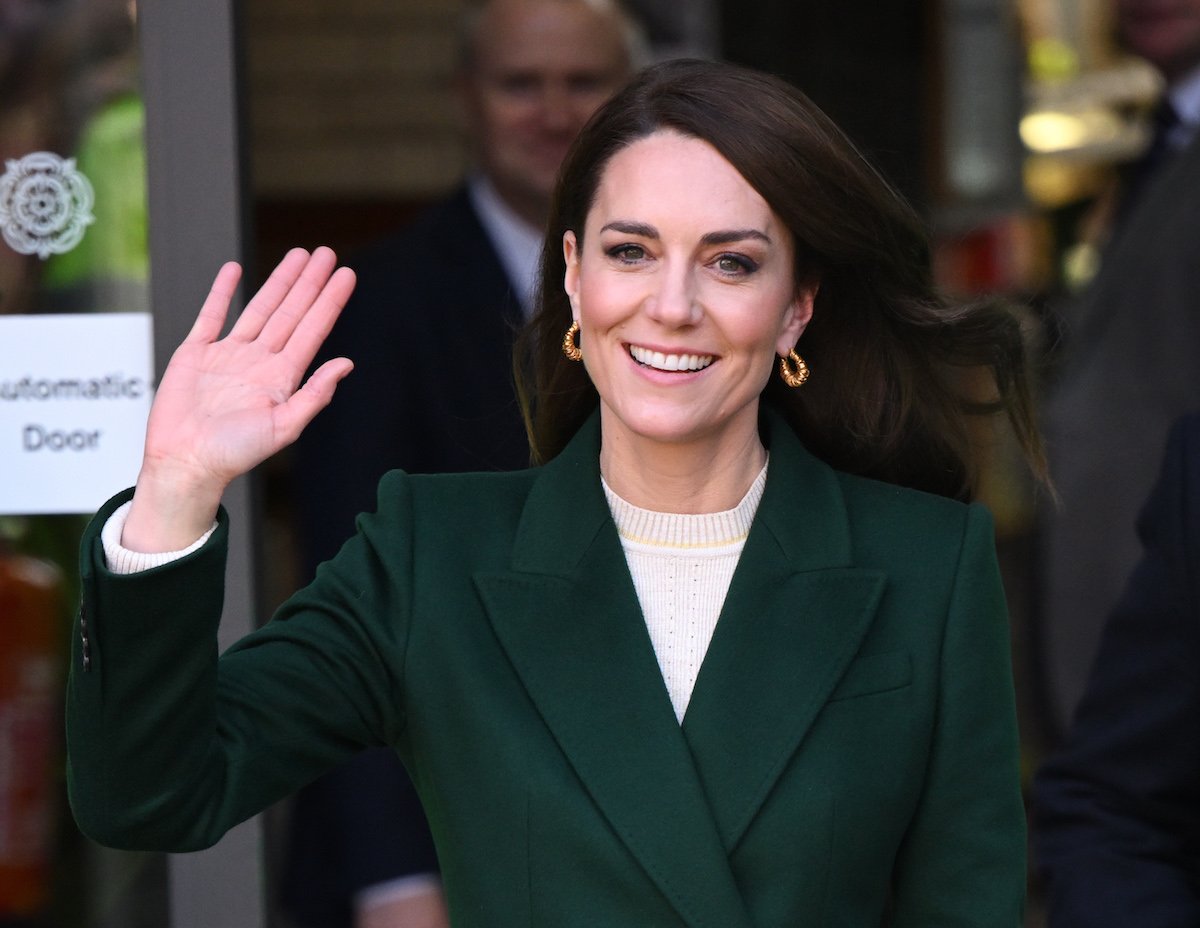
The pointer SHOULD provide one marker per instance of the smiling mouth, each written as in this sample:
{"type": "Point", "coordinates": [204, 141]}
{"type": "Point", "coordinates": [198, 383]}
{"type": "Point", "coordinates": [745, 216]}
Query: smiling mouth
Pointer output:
{"type": "Point", "coordinates": [670, 362]}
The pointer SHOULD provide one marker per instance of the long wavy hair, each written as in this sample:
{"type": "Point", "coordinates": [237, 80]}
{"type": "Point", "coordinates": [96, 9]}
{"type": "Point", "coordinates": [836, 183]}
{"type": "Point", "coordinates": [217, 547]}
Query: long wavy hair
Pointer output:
{"type": "Point", "coordinates": [898, 372]}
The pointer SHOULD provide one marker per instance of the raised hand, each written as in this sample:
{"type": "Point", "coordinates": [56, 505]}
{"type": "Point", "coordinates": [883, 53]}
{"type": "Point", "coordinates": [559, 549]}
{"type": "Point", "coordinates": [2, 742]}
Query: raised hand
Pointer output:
{"type": "Point", "coordinates": [225, 405]}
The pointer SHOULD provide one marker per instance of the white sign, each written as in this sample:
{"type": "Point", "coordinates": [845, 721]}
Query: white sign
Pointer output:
{"type": "Point", "coordinates": [75, 393]}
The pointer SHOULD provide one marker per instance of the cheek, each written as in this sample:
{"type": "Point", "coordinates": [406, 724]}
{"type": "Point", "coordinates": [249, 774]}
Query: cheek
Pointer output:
{"type": "Point", "coordinates": [756, 328]}
{"type": "Point", "coordinates": [605, 299]}
{"type": "Point", "coordinates": [587, 103]}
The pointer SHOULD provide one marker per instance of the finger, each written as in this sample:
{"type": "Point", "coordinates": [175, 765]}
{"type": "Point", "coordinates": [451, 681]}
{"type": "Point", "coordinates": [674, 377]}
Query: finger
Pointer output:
{"type": "Point", "coordinates": [264, 303]}
{"type": "Point", "coordinates": [312, 330]}
{"type": "Point", "coordinates": [211, 318]}
{"type": "Point", "coordinates": [292, 416]}
{"type": "Point", "coordinates": [300, 299]}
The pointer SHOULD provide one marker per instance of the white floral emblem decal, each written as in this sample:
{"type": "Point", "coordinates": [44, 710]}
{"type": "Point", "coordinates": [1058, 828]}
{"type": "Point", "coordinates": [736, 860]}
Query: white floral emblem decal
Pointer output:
{"type": "Point", "coordinates": [45, 204]}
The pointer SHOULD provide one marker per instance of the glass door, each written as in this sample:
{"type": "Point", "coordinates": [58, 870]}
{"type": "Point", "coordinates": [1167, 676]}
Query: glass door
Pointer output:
{"type": "Point", "coordinates": [120, 195]}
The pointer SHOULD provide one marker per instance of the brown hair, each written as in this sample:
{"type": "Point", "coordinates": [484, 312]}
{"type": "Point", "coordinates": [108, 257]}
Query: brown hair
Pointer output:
{"type": "Point", "coordinates": [895, 368]}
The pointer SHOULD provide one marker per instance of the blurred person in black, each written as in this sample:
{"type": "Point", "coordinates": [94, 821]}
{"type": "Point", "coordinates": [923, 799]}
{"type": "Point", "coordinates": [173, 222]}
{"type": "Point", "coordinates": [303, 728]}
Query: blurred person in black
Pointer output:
{"type": "Point", "coordinates": [1116, 813]}
{"type": "Point", "coordinates": [431, 326]}
{"type": "Point", "coordinates": [1128, 364]}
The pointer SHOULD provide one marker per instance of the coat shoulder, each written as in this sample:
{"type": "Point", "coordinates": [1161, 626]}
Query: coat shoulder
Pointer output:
{"type": "Point", "coordinates": [890, 518]}
{"type": "Point", "coordinates": [877, 499]}
{"type": "Point", "coordinates": [477, 500]}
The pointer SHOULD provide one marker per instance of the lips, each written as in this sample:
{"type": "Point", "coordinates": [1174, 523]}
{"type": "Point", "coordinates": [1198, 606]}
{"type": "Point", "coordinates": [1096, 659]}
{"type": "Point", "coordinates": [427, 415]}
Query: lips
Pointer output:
{"type": "Point", "coordinates": [670, 362]}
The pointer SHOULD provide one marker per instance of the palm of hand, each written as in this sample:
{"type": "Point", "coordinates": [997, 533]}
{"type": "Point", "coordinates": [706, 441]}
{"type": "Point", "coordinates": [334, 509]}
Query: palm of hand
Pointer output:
{"type": "Point", "coordinates": [217, 407]}
{"type": "Point", "coordinates": [226, 404]}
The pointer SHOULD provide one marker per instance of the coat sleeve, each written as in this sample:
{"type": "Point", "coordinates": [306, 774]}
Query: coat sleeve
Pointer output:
{"type": "Point", "coordinates": [962, 862]}
{"type": "Point", "coordinates": [169, 746]}
{"type": "Point", "coordinates": [1117, 809]}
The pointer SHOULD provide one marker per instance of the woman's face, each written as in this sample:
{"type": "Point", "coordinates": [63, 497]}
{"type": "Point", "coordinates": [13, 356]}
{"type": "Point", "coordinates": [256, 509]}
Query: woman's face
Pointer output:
{"type": "Point", "coordinates": [683, 286]}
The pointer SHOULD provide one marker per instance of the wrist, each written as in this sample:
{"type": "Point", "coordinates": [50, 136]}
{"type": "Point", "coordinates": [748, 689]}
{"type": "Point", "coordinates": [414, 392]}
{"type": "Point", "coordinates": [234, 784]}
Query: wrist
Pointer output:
{"type": "Point", "coordinates": [172, 507]}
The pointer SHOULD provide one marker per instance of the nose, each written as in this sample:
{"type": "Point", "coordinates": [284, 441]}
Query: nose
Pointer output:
{"type": "Point", "coordinates": [674, 302]}
{"type": "Point", "coordinates": [558, 110]}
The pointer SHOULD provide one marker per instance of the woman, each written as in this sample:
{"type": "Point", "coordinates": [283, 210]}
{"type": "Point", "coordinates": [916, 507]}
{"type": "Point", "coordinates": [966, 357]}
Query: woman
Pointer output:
{"type": "Point", "coordinates": [592, 745]}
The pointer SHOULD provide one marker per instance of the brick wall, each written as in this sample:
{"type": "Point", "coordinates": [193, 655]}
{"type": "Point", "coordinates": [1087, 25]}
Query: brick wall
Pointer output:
{"type": "Point", "coordinates": [350, 99]}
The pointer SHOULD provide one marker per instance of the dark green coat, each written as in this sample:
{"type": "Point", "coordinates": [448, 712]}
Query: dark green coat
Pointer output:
{"type": "Point", "coordinates": [851, 738]}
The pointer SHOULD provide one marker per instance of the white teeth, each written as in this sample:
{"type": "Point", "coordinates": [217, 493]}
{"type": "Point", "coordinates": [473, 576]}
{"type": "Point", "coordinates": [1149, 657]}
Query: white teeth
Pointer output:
{"type": "Point", "coordinates": [670, 362]}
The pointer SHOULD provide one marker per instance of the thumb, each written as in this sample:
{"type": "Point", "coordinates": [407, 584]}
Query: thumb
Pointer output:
{"type": "Point", "coordinates": [293, 416]}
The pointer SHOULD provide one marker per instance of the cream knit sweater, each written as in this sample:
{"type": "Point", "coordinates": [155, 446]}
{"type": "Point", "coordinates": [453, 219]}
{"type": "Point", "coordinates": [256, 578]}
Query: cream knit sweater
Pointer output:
{"type": "Point", "coordinates": [682, 566]}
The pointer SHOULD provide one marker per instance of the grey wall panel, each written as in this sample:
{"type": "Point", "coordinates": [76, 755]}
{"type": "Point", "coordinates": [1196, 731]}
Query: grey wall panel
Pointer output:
{"type": "Point", "coordinates": [194, 168]}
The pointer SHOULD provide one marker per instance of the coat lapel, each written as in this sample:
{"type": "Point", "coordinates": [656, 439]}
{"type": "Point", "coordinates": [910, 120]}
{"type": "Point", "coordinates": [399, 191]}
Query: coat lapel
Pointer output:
{"type": "Point", "coordinates": [795, 616]}
{"type": "Point", "coordinates": [568, 618]}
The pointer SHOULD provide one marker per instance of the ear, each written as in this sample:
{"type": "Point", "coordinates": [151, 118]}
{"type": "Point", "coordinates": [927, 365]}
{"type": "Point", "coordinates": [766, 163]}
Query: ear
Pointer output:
{"type": "Point", "coordinates": [795, 319]}
{"type": "Point", "coordinates": [571, 278]}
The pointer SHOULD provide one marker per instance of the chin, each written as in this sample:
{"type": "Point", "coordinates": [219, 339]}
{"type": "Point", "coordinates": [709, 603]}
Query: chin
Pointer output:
{"type": "Point", "coordinates": [679, 429]}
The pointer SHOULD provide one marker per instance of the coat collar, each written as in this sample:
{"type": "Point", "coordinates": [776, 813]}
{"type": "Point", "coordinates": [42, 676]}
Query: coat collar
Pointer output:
{"type": "Point", "coordinates": [567, 616]}
{"type": "Point", "coordinates": [566, 507]}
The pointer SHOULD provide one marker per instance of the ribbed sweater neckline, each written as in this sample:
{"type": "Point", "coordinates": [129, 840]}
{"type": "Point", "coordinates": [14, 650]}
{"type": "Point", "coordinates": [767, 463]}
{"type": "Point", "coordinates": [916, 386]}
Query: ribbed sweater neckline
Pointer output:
{"type": "Point", "coordinates": [686, 531]}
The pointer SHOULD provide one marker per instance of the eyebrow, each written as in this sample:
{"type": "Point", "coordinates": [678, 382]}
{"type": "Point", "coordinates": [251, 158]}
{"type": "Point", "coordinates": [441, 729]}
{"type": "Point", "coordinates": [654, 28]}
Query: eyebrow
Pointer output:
{"type": "Point", "coordinates": [734, 235]}
{"type": "Point", "coordinates": [723, 237]}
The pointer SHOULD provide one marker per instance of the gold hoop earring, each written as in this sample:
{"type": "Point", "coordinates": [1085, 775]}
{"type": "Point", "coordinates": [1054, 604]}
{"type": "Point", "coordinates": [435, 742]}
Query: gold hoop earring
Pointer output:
{"type": "Point", "coordinates": [570, 349]}
{"type": "Point", "coordinates": [795, 374]}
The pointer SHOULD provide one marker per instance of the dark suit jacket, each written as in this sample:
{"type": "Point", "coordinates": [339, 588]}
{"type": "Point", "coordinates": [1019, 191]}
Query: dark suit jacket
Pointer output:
{"type": "Point", "coordinates": [1117, 811]}
{"type": "Point", "coordinates": [1129, 369]}
{"type": "Point", "coordinates": [430, 328]}
{"type": "Point", "coordinates": [851, 738]}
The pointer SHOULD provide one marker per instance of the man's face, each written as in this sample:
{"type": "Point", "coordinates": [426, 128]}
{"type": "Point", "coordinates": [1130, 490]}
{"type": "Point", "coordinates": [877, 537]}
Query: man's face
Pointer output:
{"type": "Point", "coordinates": [1165, 32]}
{"type": "Point", "coordinates": [541, 68]}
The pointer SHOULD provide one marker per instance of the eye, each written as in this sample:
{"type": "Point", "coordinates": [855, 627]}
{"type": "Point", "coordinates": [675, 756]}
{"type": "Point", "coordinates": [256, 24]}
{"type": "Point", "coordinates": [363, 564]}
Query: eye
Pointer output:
{"type": "Point", "coordinates": [517, 84]}
{"type": "Point", "coordinates": [733, 265]}
{"type": "Point", "coordinates": [627, 253]}
{"type": "Point", "coordinates": [587, 84]}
